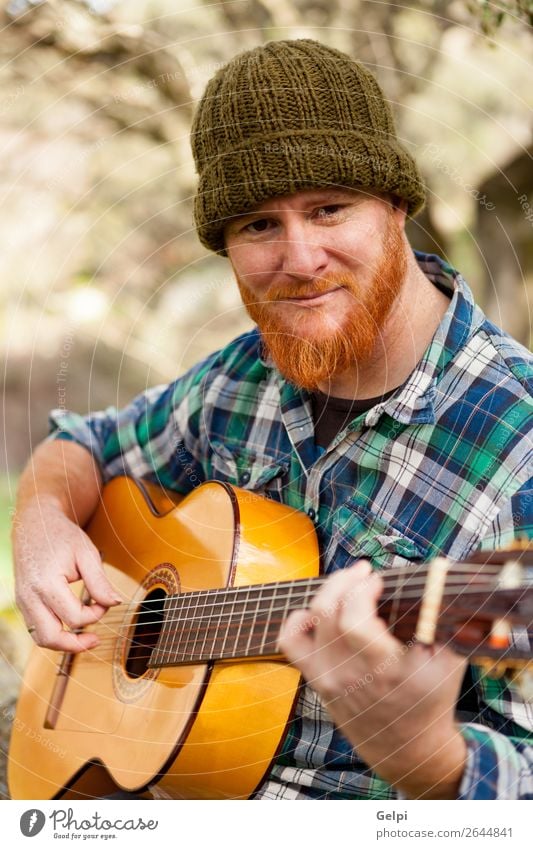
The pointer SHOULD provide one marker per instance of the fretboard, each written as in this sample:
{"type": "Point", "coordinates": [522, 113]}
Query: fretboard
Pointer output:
{"type": "Point", "coordinates": [233, 622]}
{"type": "Point", "coordinates": [240, 622]}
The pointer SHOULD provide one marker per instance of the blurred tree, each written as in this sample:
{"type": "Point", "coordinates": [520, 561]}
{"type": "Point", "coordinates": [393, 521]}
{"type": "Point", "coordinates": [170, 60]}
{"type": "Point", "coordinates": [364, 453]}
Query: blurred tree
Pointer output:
{"type": "Point", "coordinates": [491, 15]}
{"type": "Point", "coordinates": [97, 176]}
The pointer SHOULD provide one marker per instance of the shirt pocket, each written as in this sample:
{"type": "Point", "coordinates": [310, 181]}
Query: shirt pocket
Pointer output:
{"type": "Point", "coordinates": [241, 466]}
{"type": "Point", "coordinates": [359, 533]}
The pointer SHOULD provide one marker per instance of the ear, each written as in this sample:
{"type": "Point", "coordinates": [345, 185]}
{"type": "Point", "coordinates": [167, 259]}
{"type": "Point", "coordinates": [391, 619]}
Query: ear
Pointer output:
{"type": "Point", "coordinates": [399, 209]}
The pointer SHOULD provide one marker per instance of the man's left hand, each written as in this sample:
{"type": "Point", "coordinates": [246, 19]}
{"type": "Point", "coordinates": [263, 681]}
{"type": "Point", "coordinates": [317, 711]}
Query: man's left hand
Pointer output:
{"type": "Point", "coordinates": [395, 703]}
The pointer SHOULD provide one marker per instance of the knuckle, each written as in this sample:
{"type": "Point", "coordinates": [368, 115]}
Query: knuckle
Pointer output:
{"type": "Point", "coordinates": [49, 641]}
{"type": "Point", "coordinates": [90, 613]}
{"type": "Point", "coordinates": [41, 640]}
{"type": "Point", "coordinates": [70, 619]}
{"type": "Point", "coordinates": [47, 590]}
{"type": "Point", "coordinates": [37, 588]}
{"type": "Point", "coordinates": [94, 551]}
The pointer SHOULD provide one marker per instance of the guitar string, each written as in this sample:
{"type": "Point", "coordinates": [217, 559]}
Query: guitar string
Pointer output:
{"type": "Point", "coordinates": [255, 646]}
{"type": "Point", "coordinates": [195, 625]}
{"type": "Point", "coordinates": [102, 650]}
{"type": "Point", "coordinates": [177, 626]}
{"type": "Point", "coordinates": [387, 578]}
{"type": "Point", "coordinates": [118, 613]}
{"type": "Point", "coordinates": [391, 577]}
{"type": "Point", "coordinates": [483, 571]}
{"type": "Point", "coordinates": [100, 628]}
{"type": "Point", "coordinates": [251, 620]}
{"type": "Point", "coordinates": [310, 583]}
{"type": "Point", "coordinates": [267, 646]}
{"type": "Point", "coordinates": [251, 623]}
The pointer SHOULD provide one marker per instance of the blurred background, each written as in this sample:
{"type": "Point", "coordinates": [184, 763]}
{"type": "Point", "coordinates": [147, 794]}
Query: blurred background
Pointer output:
{"type": "Point", "coordinates": [104, 287]}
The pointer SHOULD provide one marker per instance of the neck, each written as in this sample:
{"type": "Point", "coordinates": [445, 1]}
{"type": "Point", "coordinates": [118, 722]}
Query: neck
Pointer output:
{"type": "Point", "coordinates": [408, 331]}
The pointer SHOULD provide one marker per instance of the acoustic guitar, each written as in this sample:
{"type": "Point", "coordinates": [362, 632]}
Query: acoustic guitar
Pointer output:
{"type": "Point", "coordinates": [186, 695]}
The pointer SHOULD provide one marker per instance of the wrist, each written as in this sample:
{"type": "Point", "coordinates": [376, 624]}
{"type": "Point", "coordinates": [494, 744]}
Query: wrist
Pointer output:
{"type": "Point", "coordinates": [436, 773]}
{"type": "Point", "coordinates": [37, 507]}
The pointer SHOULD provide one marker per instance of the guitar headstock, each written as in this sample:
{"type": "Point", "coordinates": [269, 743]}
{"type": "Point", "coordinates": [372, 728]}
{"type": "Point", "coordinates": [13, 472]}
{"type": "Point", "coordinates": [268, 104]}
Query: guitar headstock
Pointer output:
{"type": "Point", "coordinates": [493, 616]}
{"type": "Point", "coordinates": [482, 608]}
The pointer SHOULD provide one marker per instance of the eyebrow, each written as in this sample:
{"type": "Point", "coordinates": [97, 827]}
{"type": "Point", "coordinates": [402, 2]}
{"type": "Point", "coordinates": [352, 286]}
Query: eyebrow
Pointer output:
{"type": "Point", "coordinates": [323, 195]}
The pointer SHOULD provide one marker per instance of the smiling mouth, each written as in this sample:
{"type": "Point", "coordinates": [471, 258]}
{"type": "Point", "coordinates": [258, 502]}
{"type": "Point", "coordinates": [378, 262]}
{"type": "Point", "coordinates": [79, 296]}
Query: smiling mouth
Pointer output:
{"type": "Point", "coordinates": [309, 299]}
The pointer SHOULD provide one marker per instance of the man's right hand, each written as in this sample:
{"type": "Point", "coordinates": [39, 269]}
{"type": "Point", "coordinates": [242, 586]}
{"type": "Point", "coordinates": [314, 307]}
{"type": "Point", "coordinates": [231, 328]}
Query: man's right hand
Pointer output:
{"type": "Point", "coordinates": [50, 552]}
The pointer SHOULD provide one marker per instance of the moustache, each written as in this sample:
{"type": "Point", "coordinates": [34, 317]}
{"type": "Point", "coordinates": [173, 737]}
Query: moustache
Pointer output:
{"type": "Point", "coordinates": [307, 290]}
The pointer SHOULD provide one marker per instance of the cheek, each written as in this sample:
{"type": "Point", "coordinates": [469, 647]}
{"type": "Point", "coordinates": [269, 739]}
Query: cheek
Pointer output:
{"type": "Point", "coordinates": [361, 246]}
{"type": "Point", "coordinates": [250, 262]}
{"type": "Point", "coordinates": [359, 240]}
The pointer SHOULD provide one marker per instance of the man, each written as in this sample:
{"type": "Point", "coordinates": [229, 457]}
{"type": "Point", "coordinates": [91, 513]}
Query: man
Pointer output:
{"type": "Point", "coordinates": [374, 395]}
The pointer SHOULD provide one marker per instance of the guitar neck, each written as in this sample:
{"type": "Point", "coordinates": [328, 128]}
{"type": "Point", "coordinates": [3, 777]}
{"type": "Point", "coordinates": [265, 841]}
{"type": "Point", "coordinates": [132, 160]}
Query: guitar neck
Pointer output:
{"type": "Point", "coordinates": [241, 622]}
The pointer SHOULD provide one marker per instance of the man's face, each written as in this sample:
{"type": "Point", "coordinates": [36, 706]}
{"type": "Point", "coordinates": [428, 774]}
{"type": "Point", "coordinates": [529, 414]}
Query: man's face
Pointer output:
{"type": "Point", "coordinates": [318, 272]}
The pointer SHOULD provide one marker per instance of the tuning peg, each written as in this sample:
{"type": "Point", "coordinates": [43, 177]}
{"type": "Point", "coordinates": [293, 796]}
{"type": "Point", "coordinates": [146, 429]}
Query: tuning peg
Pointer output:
{"type": "Point", "coordinates": [500, 634]}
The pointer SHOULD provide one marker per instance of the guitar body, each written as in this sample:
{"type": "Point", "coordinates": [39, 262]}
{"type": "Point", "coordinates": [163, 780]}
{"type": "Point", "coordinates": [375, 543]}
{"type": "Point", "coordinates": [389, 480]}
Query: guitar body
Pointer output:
{"type": "Point", "coordinates": [198, 730]}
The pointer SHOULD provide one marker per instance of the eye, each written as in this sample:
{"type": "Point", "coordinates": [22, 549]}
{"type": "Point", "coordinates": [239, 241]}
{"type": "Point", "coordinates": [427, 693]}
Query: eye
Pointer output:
{"type": "Point", "coordinates": [331, 210]}
{"type": "Point", "coordinates": [260, 225]}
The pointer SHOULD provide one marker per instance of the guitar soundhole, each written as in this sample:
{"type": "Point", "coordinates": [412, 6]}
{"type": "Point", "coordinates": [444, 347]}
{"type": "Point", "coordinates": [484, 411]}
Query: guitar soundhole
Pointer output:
{"type": "Point", "coordinates": [146, 630]}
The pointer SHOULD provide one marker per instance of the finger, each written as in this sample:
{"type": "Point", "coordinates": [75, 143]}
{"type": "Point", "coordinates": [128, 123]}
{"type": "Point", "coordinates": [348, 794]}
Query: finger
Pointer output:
{"type": "Point", "coordinates": [98, 585]}
{"type": "Point", "coordinates": [48, 631]}
{"type": "Point", "coordinates": [358, 620]}
{"type": "Point", "coordinates": [295, 635]}
{"type": "Point", "coordinates": [334, 593]}
{"type": "Point", "coordinates": [295, 639]}
{"type": "Point", "coordinates": [299, 642]}
{"type": "Point", "coordinates": [66, 606]}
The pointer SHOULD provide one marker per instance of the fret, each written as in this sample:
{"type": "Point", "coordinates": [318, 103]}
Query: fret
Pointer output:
{"type": "Point", "coordinates": [398, 589]}
{"type": "Point", "coordinates": [185, 626]}
{"type": "Point", "coordinates": [195, 633]}
{"type": "Point", "coordinates": [247, 650]}
{"type": "Point", "coordinates": [162, 650]}
{"type": "Point", "coordinates": [210, 621]}
{"type": "Point", "coordinates": [268, 619]}
{"type": "Point", "coordinates": [240, 626]}
{"type": "Point", "coordinates": [270, 639]}
{"type": "Point", "coordinates": [203, 651]}
{"type": "Point", "coordinates": [227, 626]}
{"type": "Point", "coordinates": [274, 623]}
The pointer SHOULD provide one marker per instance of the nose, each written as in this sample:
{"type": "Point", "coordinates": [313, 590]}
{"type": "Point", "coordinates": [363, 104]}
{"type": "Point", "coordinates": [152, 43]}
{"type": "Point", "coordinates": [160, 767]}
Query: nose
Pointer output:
{"type": "Point", "coordinates": [300, 254]}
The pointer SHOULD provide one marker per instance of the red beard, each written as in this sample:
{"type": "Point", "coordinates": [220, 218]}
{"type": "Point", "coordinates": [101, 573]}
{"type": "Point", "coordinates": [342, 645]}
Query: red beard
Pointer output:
{"type": "Point", "coordinates": [308, 361]}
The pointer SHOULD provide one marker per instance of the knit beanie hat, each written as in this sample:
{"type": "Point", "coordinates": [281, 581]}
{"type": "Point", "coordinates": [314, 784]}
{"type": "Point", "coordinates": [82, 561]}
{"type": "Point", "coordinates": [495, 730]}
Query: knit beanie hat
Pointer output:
{"type": "Point", "coordinates": [288, 116]}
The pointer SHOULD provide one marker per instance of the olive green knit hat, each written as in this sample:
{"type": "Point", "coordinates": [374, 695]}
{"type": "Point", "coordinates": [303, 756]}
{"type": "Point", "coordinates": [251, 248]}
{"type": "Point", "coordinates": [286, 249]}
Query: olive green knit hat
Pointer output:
{"type": "Point", "coordinates": [287, 116]}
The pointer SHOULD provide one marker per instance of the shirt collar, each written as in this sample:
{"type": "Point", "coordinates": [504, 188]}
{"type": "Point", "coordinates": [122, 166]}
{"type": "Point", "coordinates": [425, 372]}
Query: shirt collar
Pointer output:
{"type": "Point", "coordinates": [413, 403]}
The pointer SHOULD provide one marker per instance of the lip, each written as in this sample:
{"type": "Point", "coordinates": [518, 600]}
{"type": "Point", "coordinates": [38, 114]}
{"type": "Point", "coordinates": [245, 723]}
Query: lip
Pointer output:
{"type": "Point", "coordinates": [312, 299]}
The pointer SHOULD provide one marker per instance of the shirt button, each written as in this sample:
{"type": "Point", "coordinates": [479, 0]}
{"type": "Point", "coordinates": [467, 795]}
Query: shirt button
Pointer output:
{"type": "Point", "coordinates": [312, 514]}
{"type": "Point", "coordinates": [245, 478]}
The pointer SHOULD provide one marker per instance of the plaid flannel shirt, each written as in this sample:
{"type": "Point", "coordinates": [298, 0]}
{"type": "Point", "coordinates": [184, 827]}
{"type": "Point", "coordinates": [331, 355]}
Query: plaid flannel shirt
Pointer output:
{"type": "Point", "coordinates": [443, 466]}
